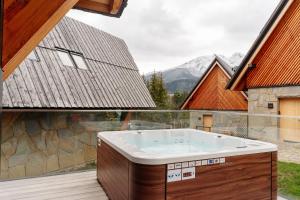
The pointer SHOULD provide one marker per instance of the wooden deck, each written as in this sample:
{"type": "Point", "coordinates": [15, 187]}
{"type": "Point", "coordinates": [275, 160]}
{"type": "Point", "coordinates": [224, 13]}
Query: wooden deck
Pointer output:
{"type": "Point", "coordinates": [76, 186]}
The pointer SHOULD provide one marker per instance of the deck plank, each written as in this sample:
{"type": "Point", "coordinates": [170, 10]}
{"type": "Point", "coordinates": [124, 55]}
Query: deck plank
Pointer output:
{"type": "Point", "coordinates": [76, 186]}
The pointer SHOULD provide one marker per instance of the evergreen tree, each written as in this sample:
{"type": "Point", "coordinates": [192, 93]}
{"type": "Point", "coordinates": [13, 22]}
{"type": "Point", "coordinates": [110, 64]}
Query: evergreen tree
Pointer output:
{"type": "Point", "coordinates": [179, 98]}
{"type": "Point", "coordinates": [158, 91]}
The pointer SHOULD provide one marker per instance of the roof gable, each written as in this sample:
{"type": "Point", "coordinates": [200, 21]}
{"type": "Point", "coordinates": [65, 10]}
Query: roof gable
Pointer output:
{"type": "Point", "coordinates": [210, 93]}
{"type": "Point", "coordinates": [111, 81]}
{"type": "Point", "coordinates": [264, 41]}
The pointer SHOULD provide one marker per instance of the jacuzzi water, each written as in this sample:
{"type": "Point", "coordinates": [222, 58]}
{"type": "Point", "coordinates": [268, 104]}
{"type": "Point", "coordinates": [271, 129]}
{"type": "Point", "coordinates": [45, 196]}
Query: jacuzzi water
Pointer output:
{"type": "Point", "coordinates": [171, 142]}
{"type": "Point", "coordinates": [176, 145]}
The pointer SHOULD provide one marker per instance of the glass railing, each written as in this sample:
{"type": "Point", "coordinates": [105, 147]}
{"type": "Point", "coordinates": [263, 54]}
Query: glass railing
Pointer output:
{"type": "Point", "coordinates": [45, 143]}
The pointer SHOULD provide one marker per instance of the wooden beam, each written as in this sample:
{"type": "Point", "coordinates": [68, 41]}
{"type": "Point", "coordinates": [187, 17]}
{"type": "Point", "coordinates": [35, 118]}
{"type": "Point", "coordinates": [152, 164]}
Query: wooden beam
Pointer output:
{"type": "Point", "coordinates": [126, 121]}
{"type": "Point", "coordinates": [115, 6]}
{"type": "Point", "coordinates": [109, 7]}
{"type": "Point", "coordinates": [26, 23]}
{"type": "Point", "coordinates": [96, 6]}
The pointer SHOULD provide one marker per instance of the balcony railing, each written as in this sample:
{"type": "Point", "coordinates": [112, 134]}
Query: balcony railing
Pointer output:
{"type": "Point", "coordinates": [40, 143]}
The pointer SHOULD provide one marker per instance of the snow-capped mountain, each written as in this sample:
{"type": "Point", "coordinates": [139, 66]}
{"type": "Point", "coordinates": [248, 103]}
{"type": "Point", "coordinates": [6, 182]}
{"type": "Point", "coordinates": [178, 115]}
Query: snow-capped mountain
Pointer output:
{"type": "Point", "coordinates": [185, 76]}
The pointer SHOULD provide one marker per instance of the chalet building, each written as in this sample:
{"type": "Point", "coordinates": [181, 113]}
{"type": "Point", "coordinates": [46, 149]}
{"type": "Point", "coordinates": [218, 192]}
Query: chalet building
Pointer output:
{"type": "Point", "coordinates": [25, 23]}
{"type": "Point", "coordinates": [270, 72]}
{"type": "Point", "coordinates": [75, 68]}
{"type": "Point", "coordinates": [210, 94]}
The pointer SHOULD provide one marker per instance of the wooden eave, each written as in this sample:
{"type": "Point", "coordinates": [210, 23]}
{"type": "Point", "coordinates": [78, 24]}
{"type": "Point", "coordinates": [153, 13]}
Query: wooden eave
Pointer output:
{"type": "Point", "coordinates": [112, 8]}
{"type": "Point", "coordinates": [26, 22]}
{"type": "Point", "coordinates": [237, 83]}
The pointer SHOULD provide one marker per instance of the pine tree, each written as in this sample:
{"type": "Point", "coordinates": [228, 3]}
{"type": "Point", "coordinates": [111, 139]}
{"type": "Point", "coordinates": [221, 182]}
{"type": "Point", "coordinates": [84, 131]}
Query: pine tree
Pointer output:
{"type": "Point", "coordinates": [158, 91]}
{"type": "Point", "coordinates": [179, 98]}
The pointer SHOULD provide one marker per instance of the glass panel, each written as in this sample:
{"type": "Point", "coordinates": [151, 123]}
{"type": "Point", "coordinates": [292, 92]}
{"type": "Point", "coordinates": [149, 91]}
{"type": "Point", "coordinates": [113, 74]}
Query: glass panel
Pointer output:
{"type": "Point", "coordinates": [46, 143]}
{"type": "Point", "coordinates": [65, 58]}
{"type": "Point", "coordinates": [79, 60]}
{"type": "Point", "coordinates": [33, 56]}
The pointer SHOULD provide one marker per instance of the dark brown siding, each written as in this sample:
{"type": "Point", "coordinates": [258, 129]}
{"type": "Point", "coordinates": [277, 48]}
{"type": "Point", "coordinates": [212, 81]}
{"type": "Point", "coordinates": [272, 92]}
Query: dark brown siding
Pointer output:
{"type": "Point", "coordinates": [278, 62]}
{"type": "Point", "coordinates": [246, 177]}
{"type": "Point", "coordinates": [212, 94]}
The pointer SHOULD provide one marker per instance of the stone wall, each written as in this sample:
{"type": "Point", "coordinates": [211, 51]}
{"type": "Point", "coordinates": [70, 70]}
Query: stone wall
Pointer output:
{"type": "Point", "coordinates": [264, 127]}
{"type": "Point", "coordinates": [231, 123]}
{"type": "Point", "coordinates": [35, 144]}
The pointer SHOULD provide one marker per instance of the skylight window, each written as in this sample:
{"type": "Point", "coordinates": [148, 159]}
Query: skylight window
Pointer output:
{"type": "Point", "coordinates": [33, 56]}
{"type": "Point", "coordinates": [65, 58]}
{"type": "Point", "coordinates": [72, 59]}
{"type": "Point", "coordinates": [79, 61]}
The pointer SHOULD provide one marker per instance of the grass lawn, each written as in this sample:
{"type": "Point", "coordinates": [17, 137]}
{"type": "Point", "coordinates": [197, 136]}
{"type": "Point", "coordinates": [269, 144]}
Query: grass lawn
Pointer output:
{"type": "Point", "coordinates": [289, 179]}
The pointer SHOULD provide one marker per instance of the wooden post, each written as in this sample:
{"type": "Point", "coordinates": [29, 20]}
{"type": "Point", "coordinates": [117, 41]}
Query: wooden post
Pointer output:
{"type": "Point", "coordinates": [1, 47]}
{"type": "Point", "coordinates": [127, 117]}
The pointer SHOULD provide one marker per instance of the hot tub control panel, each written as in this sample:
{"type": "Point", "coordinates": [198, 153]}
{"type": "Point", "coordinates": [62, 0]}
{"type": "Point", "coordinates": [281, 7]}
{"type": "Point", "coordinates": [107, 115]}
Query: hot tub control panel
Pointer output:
{"type": "Point", "coordinates": [187, 170]}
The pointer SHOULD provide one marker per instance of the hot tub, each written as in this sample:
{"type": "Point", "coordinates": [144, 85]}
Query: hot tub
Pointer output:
{"type": "Point", "coordinates": [185, 164]}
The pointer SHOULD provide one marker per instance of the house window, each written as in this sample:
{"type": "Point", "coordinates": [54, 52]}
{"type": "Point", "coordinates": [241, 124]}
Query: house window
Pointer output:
{"type": "Point", "coordinates": [65, 58]}
{"type": "Point", "coordinates": [33, 56]}
{"type": "Point", "coordinates": [79, 61]}
{"type": "Point", "coordinates": [72, 59]}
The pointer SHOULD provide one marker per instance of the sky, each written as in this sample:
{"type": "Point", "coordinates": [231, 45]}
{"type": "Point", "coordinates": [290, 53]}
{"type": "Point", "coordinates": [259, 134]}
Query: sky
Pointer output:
{"type": "Point", "coordinates": [162, 34]}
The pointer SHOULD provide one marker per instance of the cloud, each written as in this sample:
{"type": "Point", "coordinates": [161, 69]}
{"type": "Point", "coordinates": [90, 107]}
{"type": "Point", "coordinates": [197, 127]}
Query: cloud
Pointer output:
{"type": "Point", "coordinates": [162, 34]}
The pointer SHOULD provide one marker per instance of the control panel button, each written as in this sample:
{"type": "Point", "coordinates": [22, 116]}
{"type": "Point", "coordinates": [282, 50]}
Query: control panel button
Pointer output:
{"type": "Point", "coordinates": [185, 164]}
{"type": "Point", "coordinates": [192, 164]}
{"type": "Point", "coordinates": [198, 163]}
{"type": "Point", "coordinates": [216, 161]}
{"type": "Point", "coordinates": [174, 175]}
{"type": "Point", "coordinates": [171, 166]}
{"type": "Point", "coordinates": [210, 161]}
{"type": "Point", "coordinates": [204, 162]}
{"type": "Point", "coordinates": [222, 160]}
{"type": "Point", "coordinates": [177, 165]}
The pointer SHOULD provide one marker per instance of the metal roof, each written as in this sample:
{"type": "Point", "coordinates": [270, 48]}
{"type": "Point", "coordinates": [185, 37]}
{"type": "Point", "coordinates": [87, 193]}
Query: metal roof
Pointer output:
{"type": "Point", "coordinates": [111, 81]}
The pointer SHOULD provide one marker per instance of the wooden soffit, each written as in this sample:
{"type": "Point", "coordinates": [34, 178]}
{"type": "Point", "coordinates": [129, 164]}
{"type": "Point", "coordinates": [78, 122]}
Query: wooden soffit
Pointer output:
{"type": "Point", "coordinates": [26, 22]}
{"type": "Point", "coordinates": [107, 7]}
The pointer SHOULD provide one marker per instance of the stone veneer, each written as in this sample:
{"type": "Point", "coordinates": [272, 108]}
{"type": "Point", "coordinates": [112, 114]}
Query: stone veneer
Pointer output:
{"type": "Point", "coordinates": [35, 144]}
{"type": "Point", "coordinates": [267, 128]}
{"type": "Point", "coordinates": [230, 123]}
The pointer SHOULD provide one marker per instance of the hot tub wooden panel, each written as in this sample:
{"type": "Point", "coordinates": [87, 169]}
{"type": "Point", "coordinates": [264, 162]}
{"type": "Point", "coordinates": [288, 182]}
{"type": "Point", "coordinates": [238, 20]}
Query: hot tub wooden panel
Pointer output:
{"type": "Point", "coordinates": [112, 172]}
{"type": "Point", "coordinates": [123, 180]}
{"type": "Point", "coordinates": [147, 182]}
{"type": "Point", "coordinates": [241, 177]}
{"type": "Point", "coordinates": [274, 175]}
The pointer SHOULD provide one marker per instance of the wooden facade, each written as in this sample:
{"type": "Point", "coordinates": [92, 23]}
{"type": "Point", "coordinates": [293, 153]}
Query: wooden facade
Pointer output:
{"type": "Point", "coordinates": [210, 92]}
{"type": "Point", "coordinates": [26, 23]}
{"type": "Point", "coordinates": [273, 61]}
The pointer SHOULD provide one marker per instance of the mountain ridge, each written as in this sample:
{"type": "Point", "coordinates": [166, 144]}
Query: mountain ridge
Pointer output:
{"type": "Point", "coordinates": [184, 77]}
